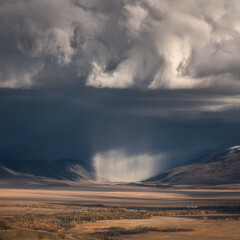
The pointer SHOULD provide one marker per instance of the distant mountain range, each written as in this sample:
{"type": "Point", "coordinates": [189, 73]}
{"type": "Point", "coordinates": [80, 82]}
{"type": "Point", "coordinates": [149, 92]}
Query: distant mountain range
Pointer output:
{"type": "Point", "coordinates": [64, 169]}
{"type": "Point", "coordinates": [222, 167]}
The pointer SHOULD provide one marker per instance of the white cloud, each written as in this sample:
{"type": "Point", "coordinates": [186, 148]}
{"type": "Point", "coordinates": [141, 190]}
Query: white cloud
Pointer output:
{"type": "Point", "coordinates": [121, 78]}
{"type": "Point", "coordinates": [134, 19]}
{"type": "Point", "coordinates": [122, 44]}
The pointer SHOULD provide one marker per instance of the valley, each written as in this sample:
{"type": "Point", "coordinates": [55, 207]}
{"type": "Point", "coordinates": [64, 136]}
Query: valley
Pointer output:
{"type": "Point", "coordinates": [120, 211]}
{"type": "Point", "coordinates": [61, 199]}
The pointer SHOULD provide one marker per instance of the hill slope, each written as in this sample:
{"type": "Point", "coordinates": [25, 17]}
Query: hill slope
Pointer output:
{"type": "Point", "coordinates": [219, 168]}
{"type": "Point", "coordinates": [65, 169]}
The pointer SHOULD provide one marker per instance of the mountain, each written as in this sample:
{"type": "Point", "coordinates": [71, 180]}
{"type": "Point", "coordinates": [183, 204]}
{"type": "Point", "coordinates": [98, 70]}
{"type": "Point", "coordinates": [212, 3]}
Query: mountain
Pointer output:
{"type": "Point", "coordinates": [64, 169]}
{"type": "Point", "coordinates": [222, 167]}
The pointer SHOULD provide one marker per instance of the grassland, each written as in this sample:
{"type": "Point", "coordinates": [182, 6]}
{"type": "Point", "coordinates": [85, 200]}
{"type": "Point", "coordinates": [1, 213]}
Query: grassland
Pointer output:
{"type": "Point", "coordinates": [68, 216]}
{"type": "Point", "coordinates": [52, 221]}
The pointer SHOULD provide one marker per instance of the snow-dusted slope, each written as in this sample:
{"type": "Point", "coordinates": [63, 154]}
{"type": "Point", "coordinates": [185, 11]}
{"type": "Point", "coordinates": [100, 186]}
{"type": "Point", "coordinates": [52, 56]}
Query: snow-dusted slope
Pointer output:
{"type": "Point", "coordinates": [219, 168]}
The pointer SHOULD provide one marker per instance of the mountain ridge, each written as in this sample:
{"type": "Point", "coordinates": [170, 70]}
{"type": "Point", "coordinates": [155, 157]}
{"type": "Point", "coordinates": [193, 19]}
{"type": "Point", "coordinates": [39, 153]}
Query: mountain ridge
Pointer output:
{"type": "Point", "coordinates": [222, 167]}
{"type": "Point", "coordinates": [62, 169]}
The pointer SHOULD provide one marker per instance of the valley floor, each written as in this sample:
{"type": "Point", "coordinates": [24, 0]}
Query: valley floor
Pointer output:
{"type": "Point", "coordinates": [121, 195]}
{"type": "Point", "coordinates": [148, 203]}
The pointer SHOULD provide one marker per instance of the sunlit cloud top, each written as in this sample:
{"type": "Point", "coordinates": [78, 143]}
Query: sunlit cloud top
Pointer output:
{"type": "Point", "coordinates": [145, 44]}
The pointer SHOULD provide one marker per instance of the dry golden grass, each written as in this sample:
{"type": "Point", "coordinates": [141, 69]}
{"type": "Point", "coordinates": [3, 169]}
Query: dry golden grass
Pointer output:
{"type": "Point", "coordinates": [124, 196]}
{"type": "Point", "coordinates": [215, 225]}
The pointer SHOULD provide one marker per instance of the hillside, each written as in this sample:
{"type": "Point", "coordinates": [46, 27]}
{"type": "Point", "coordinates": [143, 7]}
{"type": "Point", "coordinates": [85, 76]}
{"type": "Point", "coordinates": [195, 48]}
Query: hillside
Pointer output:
{"type": "Point", "coordinates": [65, 169]}
{"type": "Point", "coordinates": [219, 168]}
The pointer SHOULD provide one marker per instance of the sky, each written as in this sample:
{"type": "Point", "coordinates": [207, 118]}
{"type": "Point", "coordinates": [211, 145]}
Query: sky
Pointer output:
{"type": "Point", "coordinates": [118, 83]}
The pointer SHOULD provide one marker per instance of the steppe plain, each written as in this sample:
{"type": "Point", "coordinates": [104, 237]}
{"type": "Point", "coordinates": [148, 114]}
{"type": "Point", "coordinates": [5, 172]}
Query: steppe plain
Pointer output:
{"type": "Point", "coordinates": [133, 211]}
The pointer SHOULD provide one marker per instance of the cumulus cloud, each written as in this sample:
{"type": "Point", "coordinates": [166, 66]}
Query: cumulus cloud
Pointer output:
{"type": "Point", "coordinates": [145, 44]}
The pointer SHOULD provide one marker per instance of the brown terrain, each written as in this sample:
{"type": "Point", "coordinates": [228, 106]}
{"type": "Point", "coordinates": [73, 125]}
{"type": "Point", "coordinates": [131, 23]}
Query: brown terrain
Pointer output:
{"type": "Point", "coordinates": [219, 168]}
{"type": "Point", "coordinates": [198, 201]}
{"type": "Point", "coordinates": [194, 212]}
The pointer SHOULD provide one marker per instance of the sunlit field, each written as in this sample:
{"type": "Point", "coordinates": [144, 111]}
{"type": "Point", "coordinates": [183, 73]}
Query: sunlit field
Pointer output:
{"type": "Point", "coordinates": [120, 212]}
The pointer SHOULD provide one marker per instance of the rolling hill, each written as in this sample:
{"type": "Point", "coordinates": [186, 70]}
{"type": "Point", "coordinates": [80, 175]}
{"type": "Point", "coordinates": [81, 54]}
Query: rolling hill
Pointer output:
{"type": "Point", "coordinates": [64, 169]}
{"type": "Point", "coordinates": [222, 167]}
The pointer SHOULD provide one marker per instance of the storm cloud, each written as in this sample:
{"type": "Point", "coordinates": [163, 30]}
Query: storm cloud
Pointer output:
{"type": "Point", "coordinates": [118, 83]}
{"type": "Point", "coordinates": [120, 44]}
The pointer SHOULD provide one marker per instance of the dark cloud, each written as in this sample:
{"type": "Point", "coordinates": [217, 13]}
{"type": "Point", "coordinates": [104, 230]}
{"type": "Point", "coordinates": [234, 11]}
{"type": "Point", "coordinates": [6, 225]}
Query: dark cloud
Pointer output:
{"type": "Point", "coordinates": [110, 79]}
{"type": "Point", "coordinates": [83, 121]}
{"type": "Point", "coordinates": [119, 129]}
